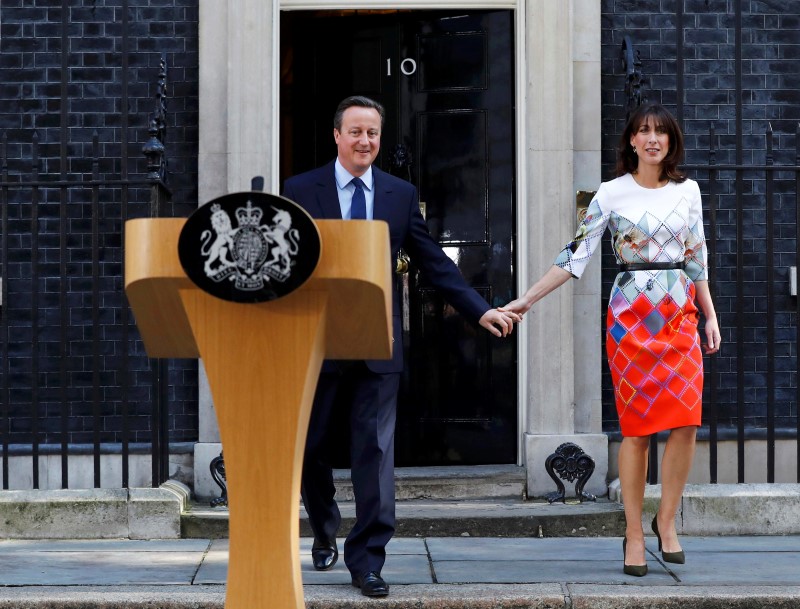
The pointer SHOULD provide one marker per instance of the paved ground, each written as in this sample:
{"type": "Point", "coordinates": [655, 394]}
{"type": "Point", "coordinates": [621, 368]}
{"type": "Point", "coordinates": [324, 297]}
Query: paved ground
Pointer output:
{"type": "Point", "coordinates": [433, 572]}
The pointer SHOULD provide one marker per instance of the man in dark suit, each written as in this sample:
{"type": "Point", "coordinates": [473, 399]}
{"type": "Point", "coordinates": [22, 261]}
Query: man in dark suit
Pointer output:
{"type": "Point", "coordinates": [351, 188]}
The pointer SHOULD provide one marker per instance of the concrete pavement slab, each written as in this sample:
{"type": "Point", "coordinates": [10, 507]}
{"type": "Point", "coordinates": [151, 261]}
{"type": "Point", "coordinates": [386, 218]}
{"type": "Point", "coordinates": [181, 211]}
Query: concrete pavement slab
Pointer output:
{"type": "Point", "coordinates": [752, 561]}
{"type": "Point", "coordinates": [424, 573]}
{"type": "Point", "coordinates": [9, 546]}
{"type": "Point", "coordinates": [399, 569]}
{"type": "Point", "coordinates": [214, 568]}
{"type": "Point", "coordinates": [98, 568]}
{"type": "Point", "coordinates": [529, 560]}
{"type": "Point", "coordinates": [525, 548]}
{"type": "Point", "coordinates": [404, 545]}
{"type": "Point", "coordinates": [543, 571]}
{"type": "Point", "coordinates": [739, 568]}
{"type": "Point", "coordinates": [407, 563]}
{"type": "Point", "coordinates": [99, 562]}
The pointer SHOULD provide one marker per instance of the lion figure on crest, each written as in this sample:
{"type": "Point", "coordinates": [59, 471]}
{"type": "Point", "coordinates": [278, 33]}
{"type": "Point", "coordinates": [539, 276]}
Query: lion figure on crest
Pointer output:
{"type": "Point", "coordinates": [218, 251]}
{"type": "Point", "coordinates": [284, 237]}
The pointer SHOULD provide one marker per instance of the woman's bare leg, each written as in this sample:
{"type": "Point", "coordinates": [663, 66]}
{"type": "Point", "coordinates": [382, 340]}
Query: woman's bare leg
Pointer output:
{"type": "Point", "coordinates": [675, 466]}
{"type": "Point", "coordinates": [632, 477]}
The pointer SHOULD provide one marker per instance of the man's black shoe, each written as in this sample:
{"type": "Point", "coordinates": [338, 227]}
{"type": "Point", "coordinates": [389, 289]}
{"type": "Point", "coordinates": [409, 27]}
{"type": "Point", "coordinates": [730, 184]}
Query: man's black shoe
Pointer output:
{"type": "Point", "coordinates": [324, 554]}
{"type": "Point", "coordinates": [371, 584]}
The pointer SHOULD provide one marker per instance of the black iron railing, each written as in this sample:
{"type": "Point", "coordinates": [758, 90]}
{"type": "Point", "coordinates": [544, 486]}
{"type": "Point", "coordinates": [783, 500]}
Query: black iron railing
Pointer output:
{"type": "Point", "coordinates": [763, 199]}
{"type": "Point", "coordinates": [73, 377]}
{"type": "Point", "coordinates": [755, 396]}
{"type": "Point", "coordinates": [752, 394]}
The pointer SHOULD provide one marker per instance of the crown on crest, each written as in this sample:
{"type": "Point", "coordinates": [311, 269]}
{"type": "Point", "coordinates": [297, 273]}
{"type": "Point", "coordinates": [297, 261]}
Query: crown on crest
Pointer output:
{"type": "Point", "coordinates": [249, 216]}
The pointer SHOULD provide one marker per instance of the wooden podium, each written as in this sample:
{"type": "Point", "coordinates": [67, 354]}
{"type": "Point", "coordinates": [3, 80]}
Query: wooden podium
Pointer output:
{"type": "Point", "coordinates": [262, 362]}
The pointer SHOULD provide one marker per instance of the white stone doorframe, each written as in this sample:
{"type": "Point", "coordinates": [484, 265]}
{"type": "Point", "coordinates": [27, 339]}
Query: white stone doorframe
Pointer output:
{"type": "Point", "coordinates": [558, 153]}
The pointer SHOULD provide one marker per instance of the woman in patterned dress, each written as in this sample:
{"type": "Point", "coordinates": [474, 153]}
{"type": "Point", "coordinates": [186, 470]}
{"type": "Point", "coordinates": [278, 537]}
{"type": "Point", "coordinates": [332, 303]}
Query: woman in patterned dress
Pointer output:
{"type": "Point", "coordinates": [654, 214]}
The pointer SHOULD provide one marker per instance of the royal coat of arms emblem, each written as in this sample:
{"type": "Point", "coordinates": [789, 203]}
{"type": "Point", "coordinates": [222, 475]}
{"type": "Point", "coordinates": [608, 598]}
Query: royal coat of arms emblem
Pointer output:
{"type": "Point", "coordinates": [249, 247]}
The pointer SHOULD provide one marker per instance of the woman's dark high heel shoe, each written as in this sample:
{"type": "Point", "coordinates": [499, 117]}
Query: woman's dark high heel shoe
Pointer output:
{"type": "Point", "coordinates": [677, 558]}
{"type": "Point", "coordinates": [635, 570]}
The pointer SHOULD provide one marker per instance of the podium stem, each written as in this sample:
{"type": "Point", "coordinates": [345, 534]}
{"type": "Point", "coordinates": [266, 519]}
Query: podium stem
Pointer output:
{"type": "Point", "coordinates": [262, 361]}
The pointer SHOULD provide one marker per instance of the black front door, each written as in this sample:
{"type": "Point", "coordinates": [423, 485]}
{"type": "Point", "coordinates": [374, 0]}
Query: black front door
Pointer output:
{"type": "Point", "coordinates": [447, 82]}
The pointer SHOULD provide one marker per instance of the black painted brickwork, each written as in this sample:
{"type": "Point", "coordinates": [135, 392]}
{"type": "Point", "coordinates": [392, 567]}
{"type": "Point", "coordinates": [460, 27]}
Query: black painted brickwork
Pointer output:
{"type": "Point", "coordinates": [770, 94]}
{"type": "Point", "coordinates": [31, 99]}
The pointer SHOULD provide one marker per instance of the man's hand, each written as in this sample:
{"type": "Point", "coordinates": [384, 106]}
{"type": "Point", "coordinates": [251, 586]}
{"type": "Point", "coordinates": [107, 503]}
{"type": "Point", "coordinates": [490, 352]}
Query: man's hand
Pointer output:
{"type": "Point", "coordinates": [499, 323]}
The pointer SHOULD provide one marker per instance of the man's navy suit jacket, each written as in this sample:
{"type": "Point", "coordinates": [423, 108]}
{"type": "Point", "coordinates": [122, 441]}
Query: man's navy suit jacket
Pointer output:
{"type": "Point", "coordinates": [396, 203]}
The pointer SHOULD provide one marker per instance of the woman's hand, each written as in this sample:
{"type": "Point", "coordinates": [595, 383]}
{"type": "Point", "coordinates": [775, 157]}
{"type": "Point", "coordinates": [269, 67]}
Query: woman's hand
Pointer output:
{"type": "Point", "coordinates": [499, 322]}
{"type": "Point", "coordinates": [552, 279]}
{"type": "Point", "coordinates": [713, 338]}
{"type": "Point", "coordinates": [518, 307]}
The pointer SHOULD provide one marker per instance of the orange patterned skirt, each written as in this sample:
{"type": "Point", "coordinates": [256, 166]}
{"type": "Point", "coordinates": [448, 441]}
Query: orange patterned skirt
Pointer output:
{"type": "Point", "coordinates": [656, 362]}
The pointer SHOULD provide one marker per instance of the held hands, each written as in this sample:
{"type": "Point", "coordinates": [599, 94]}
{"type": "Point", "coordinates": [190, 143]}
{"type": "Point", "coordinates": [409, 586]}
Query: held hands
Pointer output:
{"type": "Point", "coordinates": [520, 306]}
{"type": "Point", "coordinates": [505, 316]}
{"type": "Point", "coordinates": [499, 322]}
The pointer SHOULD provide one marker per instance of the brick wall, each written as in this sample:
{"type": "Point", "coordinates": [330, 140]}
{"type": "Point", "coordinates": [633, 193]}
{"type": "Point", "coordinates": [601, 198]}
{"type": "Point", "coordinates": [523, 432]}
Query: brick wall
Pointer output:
{"type": "Point", "coordinates": [31, 97]}
{"type": "Point", "coordinates": [770, 94]}
{"type": "Point", "coordinates": [33, 89]}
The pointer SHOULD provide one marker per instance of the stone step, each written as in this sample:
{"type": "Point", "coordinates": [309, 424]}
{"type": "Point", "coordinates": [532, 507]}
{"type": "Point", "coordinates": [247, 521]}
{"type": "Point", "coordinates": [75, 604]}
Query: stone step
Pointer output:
{"type": "Point", "coordinates": [136, 513]}
{"type": "Point", "coordinates": [480, 501]}
{"type": "Point", "coordinates": [455, 518]}
{"type": "Point", "coordinates": [453, 482]}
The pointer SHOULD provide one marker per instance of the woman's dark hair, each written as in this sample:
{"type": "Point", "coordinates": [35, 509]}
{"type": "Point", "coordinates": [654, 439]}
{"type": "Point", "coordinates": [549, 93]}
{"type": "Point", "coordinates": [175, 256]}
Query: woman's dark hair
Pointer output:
{"type": "Point", "coordinates": [628, 161]}
{"type": "Point", "coordinates": [358, 101]}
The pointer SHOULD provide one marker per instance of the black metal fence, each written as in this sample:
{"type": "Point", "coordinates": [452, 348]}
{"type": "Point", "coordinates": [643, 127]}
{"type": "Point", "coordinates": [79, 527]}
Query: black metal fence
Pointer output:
{"type": "Point", "coordinates": [752, 217]}
{"type": "Point", "coordinates": [73, 376]}
{"type": "Point", "coordinates": [761, 198]}
{"type": "Point", "coordinates": [750, 180]}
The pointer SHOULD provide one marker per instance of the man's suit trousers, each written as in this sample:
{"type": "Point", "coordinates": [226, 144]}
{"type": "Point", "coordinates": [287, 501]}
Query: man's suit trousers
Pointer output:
{"type": "Point", "coordinates": [372, 398]}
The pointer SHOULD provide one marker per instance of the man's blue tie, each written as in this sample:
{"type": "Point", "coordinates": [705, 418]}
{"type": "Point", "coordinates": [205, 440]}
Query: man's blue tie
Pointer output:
{"type": "Point", "coordinates": [358, 206]}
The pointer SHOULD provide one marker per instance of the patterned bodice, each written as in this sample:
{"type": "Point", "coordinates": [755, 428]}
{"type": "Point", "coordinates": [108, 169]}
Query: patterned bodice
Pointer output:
{"type": "Point", "coordinates": [647, 225]}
